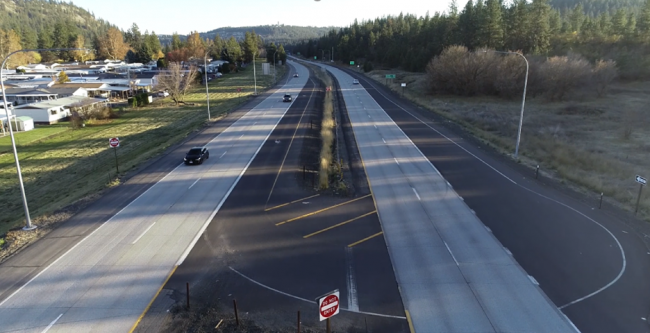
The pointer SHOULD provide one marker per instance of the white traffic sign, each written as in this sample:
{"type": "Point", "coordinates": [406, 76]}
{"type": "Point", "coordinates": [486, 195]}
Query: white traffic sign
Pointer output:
{"type": "Point", "coordinates": [403, 85]}
{"type": "Point", "coordinates": [114, 142]}
{"type": "Point", "coordinates": [641, 180]}
{"type": "Point", "coordinates": [328, 305]}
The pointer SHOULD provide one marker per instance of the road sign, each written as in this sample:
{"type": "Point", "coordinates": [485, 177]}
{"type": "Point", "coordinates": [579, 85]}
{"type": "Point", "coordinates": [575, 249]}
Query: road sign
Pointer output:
{"type": "Point", "coordinates": [314, 57]}
{"type": "Point", "coordinates": [403, 85]}
{"type": "Point", "coordinates": [114, 142]}
{"type": "Point", "coordinates": [328, 305]}
{"type": "Point", "coordinates": [641, 180]}
{"type": "Point", "coordinates": [351, 62]}
{"type": "Point", "coordinates": [390, 76]}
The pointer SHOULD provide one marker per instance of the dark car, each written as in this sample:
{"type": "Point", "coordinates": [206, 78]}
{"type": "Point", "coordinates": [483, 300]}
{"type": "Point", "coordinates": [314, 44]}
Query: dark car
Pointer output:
{"type": "Point", "coordinates": [196, 155]}
{"type": "Point", "coordinates": [287, 98]}
{"type": "Point", "coordinates": [295, 75]}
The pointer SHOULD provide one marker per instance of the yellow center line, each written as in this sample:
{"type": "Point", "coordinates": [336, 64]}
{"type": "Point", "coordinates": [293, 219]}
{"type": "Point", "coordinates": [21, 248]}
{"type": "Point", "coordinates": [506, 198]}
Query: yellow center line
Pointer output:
{"type": "Point", "coordinates": [340, 224]}
{"type": "Point", "coordinates": [365, 239]}
{"type": "Point", "coordinates": [322, 210]}
{"type": "Point", "coordinates": [289, 203]}
{"type": "Point", "coordinates": [153, 299]}
{"type": "Point", "coordinates": [408, 319]}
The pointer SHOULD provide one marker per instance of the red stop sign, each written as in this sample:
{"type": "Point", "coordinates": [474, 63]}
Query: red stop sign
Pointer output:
{"type": "Point", "coordinates": [114, 142]}
{"type": "Point", "coordinates": [329, 306]}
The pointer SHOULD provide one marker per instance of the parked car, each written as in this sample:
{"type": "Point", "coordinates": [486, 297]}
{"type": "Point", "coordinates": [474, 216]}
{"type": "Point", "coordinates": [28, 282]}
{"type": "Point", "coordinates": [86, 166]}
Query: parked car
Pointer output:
{"type": "Point", "coordinates": [196, 155]}
{"type": "Point", "coordinates": [163, 94]}
{"type": "Point", "coordinates": [295, 75]}
{"type": "Point", "coordinates": [287, 98]}
{"type": "Point", "coordinates": [219, 74]}
{"type": "Point", "coordinates": [355, 81]}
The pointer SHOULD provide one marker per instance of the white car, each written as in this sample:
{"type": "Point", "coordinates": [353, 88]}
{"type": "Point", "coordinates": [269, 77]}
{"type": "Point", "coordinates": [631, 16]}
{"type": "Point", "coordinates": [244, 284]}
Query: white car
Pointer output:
{"type": "Point", "coordinates": [355, 81]}
{"type": "Point", "coordinates": [163, 94]}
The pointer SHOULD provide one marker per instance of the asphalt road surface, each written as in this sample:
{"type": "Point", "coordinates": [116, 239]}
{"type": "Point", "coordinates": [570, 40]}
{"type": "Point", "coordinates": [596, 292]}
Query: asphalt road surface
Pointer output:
{"type": "Point", "coordinates": [105, 281]}
{"type": "Point", "coordinates": [589, 262]}
{"type": "Point", "coordinates": [283, 244]}
{"type": "Point", "coordinates": [452, 272]}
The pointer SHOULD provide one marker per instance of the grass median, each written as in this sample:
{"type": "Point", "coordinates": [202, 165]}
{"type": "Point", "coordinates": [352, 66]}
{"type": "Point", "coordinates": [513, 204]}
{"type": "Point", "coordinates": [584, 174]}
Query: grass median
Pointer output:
{"type": "Point", "coordinates": [61, 165]}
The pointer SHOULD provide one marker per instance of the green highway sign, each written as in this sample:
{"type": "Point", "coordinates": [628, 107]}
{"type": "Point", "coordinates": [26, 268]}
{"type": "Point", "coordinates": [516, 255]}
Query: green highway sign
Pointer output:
{"type": "Point", "coordinates": [390, 76]}
{"type": "Point", "coordinates": [351, 62]}
{"type": "Point", "coordinates": [314, 57]}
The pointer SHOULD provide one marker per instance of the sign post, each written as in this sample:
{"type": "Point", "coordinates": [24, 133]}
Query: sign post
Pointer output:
{"type": "Point", "coordinates": [328, 307]}
{"type": "Point", "coordinates": [114, 143]}
{"type": "Point", "coordinates": [403, 86]}
{"type": "Point", "coordinates": [642, 182]}
{"type": "Point", "coordinates": [389, 76]}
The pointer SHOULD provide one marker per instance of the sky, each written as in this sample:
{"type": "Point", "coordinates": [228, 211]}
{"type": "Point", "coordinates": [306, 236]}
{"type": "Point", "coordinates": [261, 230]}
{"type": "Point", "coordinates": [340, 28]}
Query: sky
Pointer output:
{"type": "Point", "coordinates": [169, 16]}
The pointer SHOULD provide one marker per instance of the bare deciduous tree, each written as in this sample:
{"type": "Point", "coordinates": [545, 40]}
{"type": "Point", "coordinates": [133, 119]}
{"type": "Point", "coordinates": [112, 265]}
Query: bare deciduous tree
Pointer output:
{"type": "Point", "coordinates": [176, 81]}
{"type": "Point", "coordinates": [563, 74]}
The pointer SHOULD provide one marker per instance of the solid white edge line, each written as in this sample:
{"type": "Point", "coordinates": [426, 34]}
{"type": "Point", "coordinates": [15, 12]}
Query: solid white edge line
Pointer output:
{"type": "Point", "coordinates": [232, 187]}
{"type": "Point", "coordinates": [81, 241]}
{"type": "Point", "coordinates": [396, 160]}
{"type": "Point", "coordinates": [142, 234]}
{"type": "Point", "coordinates": [451, 253]}
{"type": "Point", "coordinates": [196, 181]}
{"type": "Point", "coordinates": [416, 193]}
{"type": "Point", "coordinates": [506, 177]}
{"type": "Point", "coordinates": [309, 301]}
{"type": "Point", "coordinates": [51, 324]}
{"type": "Point", "coordinates": [570, 322]}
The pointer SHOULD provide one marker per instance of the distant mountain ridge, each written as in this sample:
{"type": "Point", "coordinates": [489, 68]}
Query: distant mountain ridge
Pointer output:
{"type": "Point", "coordinates": [32, 16]}
{"type": "Point", "coordinates": [596, 7]}
{"type": "Point", "coordinates": [269, 33]}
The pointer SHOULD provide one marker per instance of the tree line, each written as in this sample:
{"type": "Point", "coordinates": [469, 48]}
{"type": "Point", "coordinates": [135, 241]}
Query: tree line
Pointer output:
{"type": "Point", "coordinates": [534, 27]}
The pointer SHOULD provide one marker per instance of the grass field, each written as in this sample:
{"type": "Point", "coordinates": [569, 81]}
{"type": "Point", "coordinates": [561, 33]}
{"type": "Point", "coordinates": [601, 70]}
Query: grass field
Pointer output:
{"type": "Point", "coordinates": [599, 144]}
{"type": "Point", "coordinates": [61, 165]}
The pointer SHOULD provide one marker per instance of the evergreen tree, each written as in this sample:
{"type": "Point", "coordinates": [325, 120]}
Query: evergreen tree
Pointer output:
{"type": "Point", "coordinates": [249, 46]}
{"type": "Point", "coordinates": [619, 23]}
{"type": "Point", "coordinates": [45, 41]}
{"type": "Point", "coordinates": [539, 27]}
{"type": "Point", "coordinates": [176, 42]}
{"type": "Point", "coordinates": [493, 25]}
{"type": "Point", "coordinates": [233, 51]}
{"type": "Point", "coordinates": [555, 23]}
{"type": "Point", "coordinates": [467, 26]}
{"type": "Point", "coordinates": [643, 22]}
{"type": "Point", "coordinates": [576, 18]}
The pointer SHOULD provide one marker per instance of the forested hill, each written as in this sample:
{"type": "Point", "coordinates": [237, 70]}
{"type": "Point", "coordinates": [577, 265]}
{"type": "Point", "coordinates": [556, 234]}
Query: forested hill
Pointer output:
{"type": "Point", "coordinates": [269, 33]}
{"type": "Point", "coordinates": [30, 17]}
{"type": "Point", "coordinates": [596, 7]}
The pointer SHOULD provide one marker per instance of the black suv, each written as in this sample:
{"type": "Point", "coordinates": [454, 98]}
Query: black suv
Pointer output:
{"type": "Point", "coordinates": [196, 155]}
{"type": "Point", "coordinates": [286, 98]}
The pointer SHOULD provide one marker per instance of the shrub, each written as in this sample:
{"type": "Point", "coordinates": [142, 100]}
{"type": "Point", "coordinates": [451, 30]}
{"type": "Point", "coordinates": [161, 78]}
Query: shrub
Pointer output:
{"type": "Point", "coordinates": [604, 72]}
{"type": "Point", "coordinates": [562, 75]}
{"type": "Point", "coordinates": [367, 67]}
{"type": "Point", "coordinates": [457, 71]}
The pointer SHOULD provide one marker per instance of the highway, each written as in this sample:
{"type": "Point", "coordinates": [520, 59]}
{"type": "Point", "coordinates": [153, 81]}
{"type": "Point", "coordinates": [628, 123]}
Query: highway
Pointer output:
{"type": "Point", "coordinates": [453, 274]}
{"type": "Point", "coordinates": [273, 267]}
{"type": "Point", "coordinates": [105, 281]}
{"type": "Point", "coordinates": [588, 261]}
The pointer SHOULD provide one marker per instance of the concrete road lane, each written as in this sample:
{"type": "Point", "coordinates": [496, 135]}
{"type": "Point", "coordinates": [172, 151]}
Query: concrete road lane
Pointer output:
{"type": "Point", "coordinates": [589, 261]}
{"type": "Point", "coordinates": [453, 274]}
{"type": "Point", "coordinates": [106, 280]}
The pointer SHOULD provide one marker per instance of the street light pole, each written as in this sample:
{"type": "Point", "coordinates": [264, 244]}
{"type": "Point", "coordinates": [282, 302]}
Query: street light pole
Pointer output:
{"type": "Point", "coordinates": [28, 224]}
{"type": "Point", "coordinates": [205, 70]}
{"type": "Point", "coordinates": [276, 51]}
{"type": "Point", "coordinates": [254, 74]}
{"type": "Point", "coordinates": [523, 100]}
